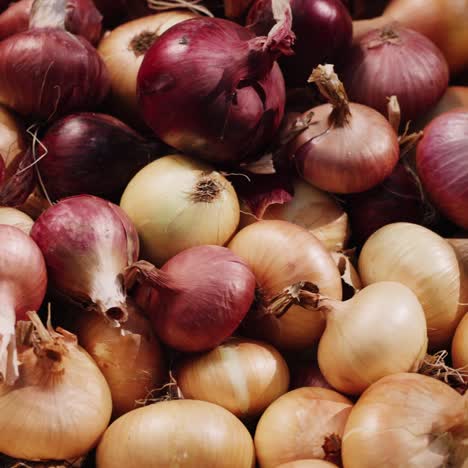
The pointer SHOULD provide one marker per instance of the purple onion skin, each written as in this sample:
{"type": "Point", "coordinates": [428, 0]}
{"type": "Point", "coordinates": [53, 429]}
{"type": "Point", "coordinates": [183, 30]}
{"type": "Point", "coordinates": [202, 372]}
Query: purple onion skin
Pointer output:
{"type": "Point", "coordinates": [215, 289]}
{"type": "Point", "coordinates": [205, 91]}
{"type": "Point", "coordinates": [411, 67]}
{"type": "Point", "coordinates": [15, 18]}
{"type": "Point", "coordinates": [45, 73]}
{"type": "Point", "coordinates": [84, 19]}
{"type": "Point", "coordinates": [323, 31]}
{"type": "Point", "coordinates": [442, 164]}
{"type": "Point", "coordinates": [397, 199]}
{"type": "Point", "coordinates": [93, 154]}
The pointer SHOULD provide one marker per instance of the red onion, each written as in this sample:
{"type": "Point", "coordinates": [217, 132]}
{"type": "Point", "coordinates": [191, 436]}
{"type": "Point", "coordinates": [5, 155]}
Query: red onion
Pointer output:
{"type": "Point", "coordinates": [15, 18]}
{"type": "Point", "coordinates": [323, 31]}
{"type": "Point", "coordinates": [23, 282]}
{"type": "Point", "coordinates": [87, 242]}
{"type": "Point", "coordinates": [345, 148]}
{"type": "Point", "coordinates": [397, 199]}
{"type": "Point", "coordinates": [59, 73]}
{"type": "Point", "coordinates": [209, 88]}
{"type": "Point", "coordinates": [92, 154]}
{"type": "Point", "coordinates": [442, 164]}
{"type": "Point", "coordinates": [2, 169]}
{"type": "Point", "coordinates": [306, 374]}
{"type": "Point", "coordinates": [198, 298]}
{"type": "Point", "coordinates": [396, 61]}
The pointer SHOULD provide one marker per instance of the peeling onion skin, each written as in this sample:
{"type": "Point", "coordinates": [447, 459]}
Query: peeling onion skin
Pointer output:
{"type": "Point", "coordinates": [409, 67]}
{"type": "Point", "coordinates": [423, 261]}
{"type": "Point", "coordinates": [59, 73]}
{"type": "Point", "coordinates": [442, 164]}
{"type": "Point", "coordinates": [188, 433]}
{"type": "Point", "coordinates": [400, 422]}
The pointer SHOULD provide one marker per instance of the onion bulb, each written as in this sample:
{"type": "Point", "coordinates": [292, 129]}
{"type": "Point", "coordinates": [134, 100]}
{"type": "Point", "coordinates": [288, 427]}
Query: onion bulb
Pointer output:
{"type": "Point", "coordinates": [296, 426]}
{"type": "Point", "coordinates": [60, 405]}
{"type": "Point", "coordinates": [308, 464]}
{"type": "Point", "coordinates": [187, 433]}
{"type": "Point", "coordinates": [129, 357]}
{"type": "Point", "coordinates": [123, 49]}
{"type": "Point", "coordinates": [176, 203]}
{"type": "Point", "coordinates": [425, 262]}
{"type": "Point", "coordinates": [16, 218]}
{"type": "Point", "coordinates": [380, 331]}
{"type": "Point", "coordinates": [307, 206]}
{"type": "Point", "coordinates": [460, 345]}
{"type": "Point", "coordinates": [406, 420]}
{"type": "Point", "coordinates": [240, 375]}
{"type": "Point", "coordinates": [281, 254]}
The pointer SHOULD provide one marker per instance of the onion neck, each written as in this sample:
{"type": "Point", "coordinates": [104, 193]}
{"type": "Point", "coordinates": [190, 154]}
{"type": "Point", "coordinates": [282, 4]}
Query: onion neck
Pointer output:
{"type": "Point", "coordinates": [145, 273]}
{"type": "Point", "coordinates": [48, 14]}
{"type": "Point", "coordinates": [333, 90]}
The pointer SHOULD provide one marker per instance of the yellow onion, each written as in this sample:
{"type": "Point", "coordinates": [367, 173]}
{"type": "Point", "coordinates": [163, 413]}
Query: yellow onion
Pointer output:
{"type": "Point", "coordinates": [178, 433]}
{"type": "Point", "coordinates": [60, 405]}
{"type": "Point", "coordinates": [297, 425]}
{"type": "Point", "coordinates": [425, 262]}
{"type": "Point", "coordinates": [312, 209]}
{"type": "Point", "coordinates": [407, 420]}
{"type": "Point", "coordinates": [380, 331]}
{"type": "Point", "coordinates": [177, 202]}
{"type": "Point", "coordinates": [129, 356]}
{"type": "Point", "coordinates": [16, 218]}
{"type": "Point", "coordinates": [123, 50]}
{"type": "Point", "coordinates": [281, 254]}
{"type": "Point", "coordinates": [460, 345]}
{"type": "Point", "coordinates": [243, 376]}
{"type": "Point", "coordinates": [308, 464]}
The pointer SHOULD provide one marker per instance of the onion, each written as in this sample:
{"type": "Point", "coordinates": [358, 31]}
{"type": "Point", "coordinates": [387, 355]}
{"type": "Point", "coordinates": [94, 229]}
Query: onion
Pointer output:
{"type": "Point", "coordinates": [281, 254]}
{"type": "Point", "coordinates": [460, 345]}
{"type": "Point", "coordinates": [129, 357]}
{"type": "Point", "coordinates": [346, 147]}
{"type": "Point", "coordinates": [266, 197]}
{"type": "Point", "coordinates": [423, 261]}
{"type": "Point", "coordinates": [240, 375]}
{"type": "Point", "coordinates": [418, 76]}
{"type": "Point", "coordinates": [16, 218]}
{"type": "Point", "coordinates": [323, 31]}
{"type": "Point", "coordinates": [306, 374]}
{"type": "Point", "coordinates": [236, 8]}
{"type": "Point", "coordinates": [61, 403]}
{"type": "Point", "coordinates": [308, 464]}
{"type": "Point", "coordinates": [95, 154]}
{"type": "Point", "coordinates": [87, 243]}
{"type": "Point", "coordinates": [380, 331]}
{"type": "Point", "coordinates": [198, 298]}
{"type": "Point", "coordinates": [123, 49]}
{"type": "Point", "coordinates": [442, 164]}
{"type": "Point", "coordinates": [227, 100]}
{"type": "Point", "coordinates": [183, 432]}
{"type": "Point", "coordinates": [23, 281]}
{"type": "Point", "coordinates": [296, 426]}
{"type": "Point", "coordinates": [2, 169]}
{"type": "Point", "coordinates": [12, 138]}
{"type": "Point", "coordinates": [177, 203]}
{"type": "Point", "coordinates": [61, 73]}
{"type": "Point", "coordinates": [15, 18]}
{"type": "Point", "coordinates": [397, 199]}
{"type": "Point", "coordinates": [442, 21]}
{"type": "Point", "coordinates": [405, 420]}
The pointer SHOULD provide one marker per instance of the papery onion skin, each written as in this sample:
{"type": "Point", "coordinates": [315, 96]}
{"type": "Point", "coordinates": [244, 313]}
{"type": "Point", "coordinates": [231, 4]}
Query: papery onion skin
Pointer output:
{"type": "Point", "coordinates": [93, 154]}
{"type": "Point", "coordinates": [223, 112]}
{"type": "Point", "coordinates": [62, 73]}
{"type": "Point", "coordinates": [16, 218]}
{"type": "Point", "coordinates": [418, 75]}
{"type": "Point", "coordinates": [281, 254]}
{"type": "Point", "coordinates": [178, 202]}
{"type": "Point", "coordinates": [123, 50]}
{"type": "Point", "coordinates": [240, 375]}
{"type": "Point", "coordinates": [460, 345]}
{"type": "Point", "coordinates": [87, 242]}
{"type": "Point", "coordinates": [323, 31]}
{"type": "Point", "coordinates": [203, 296]}
{"type": "Point", "coordinates": [380, 331]}
{"type": "Point", "coordinates": [442, 164]}
{"type": "Point", "coordinates": [346, 159]}
{"type": "Point", "coordinates": [403, 417]}
{"type": "Point", "coordinates": [187, 432]}
{"type": "Point", "coordinates": [308, 464]}
{"type": "Point", "coordinates": [15, 18]}
{"type": "Point", "coordinates": [54, 414]}
{"type": "Point", "coordinates": [295, 426]}
{"type": "Point", "coordinates": [399, 252]}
